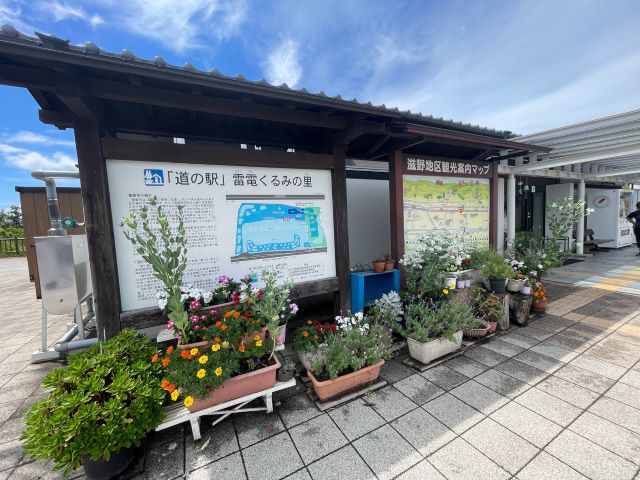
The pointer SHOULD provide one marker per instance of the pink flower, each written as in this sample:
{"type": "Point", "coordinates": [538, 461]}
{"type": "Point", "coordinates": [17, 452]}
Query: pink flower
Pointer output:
{"type": "Point", "coordinates": [294, 308]}
{"type": "Point", "coordinates": [194, 305]}
{"type": "Point", "coordinates": [194, 318]}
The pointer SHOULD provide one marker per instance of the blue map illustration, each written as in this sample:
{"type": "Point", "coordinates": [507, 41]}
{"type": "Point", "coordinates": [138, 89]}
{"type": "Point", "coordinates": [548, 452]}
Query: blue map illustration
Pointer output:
{"type": "Point", "coordinates": [275, 229]}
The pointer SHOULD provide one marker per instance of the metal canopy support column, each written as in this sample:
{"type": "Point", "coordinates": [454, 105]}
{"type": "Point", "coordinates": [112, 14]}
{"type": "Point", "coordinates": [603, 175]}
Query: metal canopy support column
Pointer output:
{"type": "Point", "coordinates": [500, 221]}
{"type": "Point", "coordinates": [580, 225]}
{"type": "Point", "coordinates": [511, 210]}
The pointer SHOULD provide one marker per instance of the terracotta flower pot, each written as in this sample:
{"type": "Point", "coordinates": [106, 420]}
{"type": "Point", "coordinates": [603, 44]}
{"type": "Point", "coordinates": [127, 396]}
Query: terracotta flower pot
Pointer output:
{"type": "Point", "coordinates": [250, 338]}
{"type": "Point", "coordinates": [332, 388]}
{"type": "Point", "coordinates": [389, 264]}
{"type": "Point", "coordinates": [378, 267]}
{"type": "Point", "coordinates": [239, 386]}
{"type": "Point", "coordinates": [189, 346]}
{"type": "Point", "coordinates": [539, 306]}
{"type": "Point", "coordinates": [221, 307]}
{"type": "Point", "coordinates": [477, 332]}
{"type": "Point", "coordinates": [492, 326]}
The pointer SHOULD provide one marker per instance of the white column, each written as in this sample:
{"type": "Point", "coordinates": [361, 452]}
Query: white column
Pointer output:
{"type": "Point", "coordinates": [511, 210]}
{"type": "Point", "coordinates": [501, 203]}
{"type": "Point", "coordinates": [580, 226]}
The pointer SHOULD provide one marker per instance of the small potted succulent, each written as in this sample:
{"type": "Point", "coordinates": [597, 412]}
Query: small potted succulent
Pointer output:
{"type": "Point", "coordinates": [378, 265]}
{"type": "Point", "coordinates": [353, 357]}
{"type": "Point", "coordinates": [434, 329]}
{"type": "Point", "coordinates": [286, 371]}
{"type": "Point", "coordinates": [99, 408]}
{"type": "Point", "coordinates": [389, 262]}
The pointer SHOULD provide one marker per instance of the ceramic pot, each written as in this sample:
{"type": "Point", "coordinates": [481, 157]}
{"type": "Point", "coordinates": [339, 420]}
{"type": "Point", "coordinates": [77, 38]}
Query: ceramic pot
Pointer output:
{"type": "Point", "coordinates": [284, 376]}
{"type": "Point", "coordinates": [107, 469]}
{"type": "Point", "coordinates": [389, 264]}
{"type": "Point", "coordinates": [378, 267]}
{"type": "Point", "coordinates": [450, 282]}
{"type": "Point", "coordinates": [525, 290]}
{"type": "Point", "coordinates": [467, 283]}
{"type": "Point", "coordinates": [514, 285]}
{"type": "Point", "coordinates": [239, 386]}
{"type": "Point", "coordinates": [282, 335]}
{"type": "Point", "coordinates": [332, 388]}
{"type": "Point", "coordinates": [460, 284]}
{"type": "Point", "coordinates": [477, 332]}
{"type": "Point", "coordinates": [497, 285]}
{"type": "Point", "coordinates": [308, 359]}
{"type": "Point", "coordinates": [426, 352]}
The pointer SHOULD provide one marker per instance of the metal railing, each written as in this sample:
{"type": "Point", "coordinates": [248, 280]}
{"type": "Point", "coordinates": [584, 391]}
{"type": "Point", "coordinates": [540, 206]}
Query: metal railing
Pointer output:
{"type": "Point", "coordinates": [12, 247]}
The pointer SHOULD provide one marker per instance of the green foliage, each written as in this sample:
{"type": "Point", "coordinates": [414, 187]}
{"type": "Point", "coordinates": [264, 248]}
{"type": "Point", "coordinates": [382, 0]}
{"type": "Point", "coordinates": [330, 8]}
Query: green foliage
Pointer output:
{"type": "Point", "coordinates": [475, 323]}
{"type": "Point", "coordinates": [166, 252]}
{"type": "Point", "coordinates": [495, 267]}
{"type": "Point", "coordinates": [309, 336]}
{"type": "Point", "coordinates": [351, 350]}
{"type": "Point", "coordinates": [101, 403]}
{"type": "Point", "coordinates": [487, 306]}
{"type": "Point", "coordinates": [12, 218]}
{"type": "Point", "coordinates": [536, 254]}
{"type": "Point", "coordinates": [426, 321]}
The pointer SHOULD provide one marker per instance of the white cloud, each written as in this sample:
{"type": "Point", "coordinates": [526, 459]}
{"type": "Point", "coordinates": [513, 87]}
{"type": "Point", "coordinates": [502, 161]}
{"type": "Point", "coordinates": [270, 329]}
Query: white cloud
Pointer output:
{"type": "Point", "coordinates": [183, 24]}
{"type": "Point", "coordinates": [32, 138]}
{"type": "Point", "coordinates": [283, 64]}
{"type": "Point", "coordinates": [59, 11]}
{"type": "Point", "coordinates": [32, 160]}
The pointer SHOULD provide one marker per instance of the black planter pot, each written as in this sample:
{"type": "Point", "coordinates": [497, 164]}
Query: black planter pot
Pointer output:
{"type": "Point", "coordinates": [108, 469]}
{"type": "Point", "coordinates": [498, 285]}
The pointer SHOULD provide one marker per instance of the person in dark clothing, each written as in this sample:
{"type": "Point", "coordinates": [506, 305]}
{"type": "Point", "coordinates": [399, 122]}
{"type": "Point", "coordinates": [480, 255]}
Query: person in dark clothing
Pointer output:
{"type": "Point", "coordinates": [634, 217]}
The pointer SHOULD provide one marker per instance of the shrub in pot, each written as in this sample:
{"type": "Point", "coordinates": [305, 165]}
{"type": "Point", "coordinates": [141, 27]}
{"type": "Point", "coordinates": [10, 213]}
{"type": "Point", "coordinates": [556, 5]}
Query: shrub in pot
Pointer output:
{"type": "Point", "coordinates": [99, 408]}
{"type": "Point", "coordinates": [497, 271]}
{"type": "Point", "coordinates": [488, 307]}
{"type": "Point", "coordinates": [352, 357]}
{"type": "Point", "coordinates": [310, 340]}
{"type": "Point", "coordinates": [476, 328]}
{"type": "Point", "coordinates": [539, 293]}
{"type": "Point", "coordinates": [387, 310]}
{"type": "Point", "coordinates": [434, 329]}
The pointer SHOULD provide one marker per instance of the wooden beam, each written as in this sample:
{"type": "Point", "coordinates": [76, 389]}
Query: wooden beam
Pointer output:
{"type": "Point", "coordinates": [508, 156]}
{"type": "Point", "coordinates": [56, 117]}
{"type": "Point", "coordinates": [80, 106]}
{"type": "Point", "coordinates": [412, 142]}
{"type": "Point", "coordinates": [342, 300]}
{"type": "Point", "coordinates": [40, 97]}
{"type": "Point", "coordinates": [99, 228]}
{"type": "Point", "coordinates": [396, 204]}
{"type": "Point", "coordinates": [378, 144]}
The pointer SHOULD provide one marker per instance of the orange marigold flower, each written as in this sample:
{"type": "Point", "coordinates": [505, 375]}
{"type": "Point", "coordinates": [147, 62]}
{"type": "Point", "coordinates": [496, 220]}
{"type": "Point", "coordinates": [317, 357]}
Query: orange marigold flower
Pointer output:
{"type": "Point", "coordinates": [241, 348]}
{"type": "Point", "coordinates": [217, 340]}
{"type": "Point", "coordinates": [227, 314]}
{"type": "Point", "coordinates": [305, 333]}
{"type": "Point", "coordinates": [164, 384]}
{"type": "Point", "coordinates": [223, 327]}
{"type": "Point", "coordinates": [169, 349]}
{"type": "Point", "coordinates": [154, 359]}
{"type": "Point", "coordinates": [309, 322]}
{"type": "Point", "coordinates": [165, 361]}
{"type": "Point", "coordinates": [236, 314]}
{"type": "Point", "coordinates": [171, 387]}
{"type": "Point", "coordinates": [535, 294]}
{"type": "Point", "coordinates": [218, 324]}
{"type": "Point", "coordinates": [185, 354]}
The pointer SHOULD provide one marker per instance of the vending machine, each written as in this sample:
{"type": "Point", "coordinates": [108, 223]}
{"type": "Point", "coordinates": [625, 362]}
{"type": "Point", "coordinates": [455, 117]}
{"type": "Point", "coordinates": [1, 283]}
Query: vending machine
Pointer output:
{"type": "Point", "coordinates": [609, 217]}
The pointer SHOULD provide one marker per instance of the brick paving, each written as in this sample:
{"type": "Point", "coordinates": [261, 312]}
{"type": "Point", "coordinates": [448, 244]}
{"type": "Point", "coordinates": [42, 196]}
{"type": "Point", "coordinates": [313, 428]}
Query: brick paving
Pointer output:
{"type": "Point", "coordinates": [559, 398]}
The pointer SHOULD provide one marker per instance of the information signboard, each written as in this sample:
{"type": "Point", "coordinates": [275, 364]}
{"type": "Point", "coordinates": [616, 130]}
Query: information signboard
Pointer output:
{"type": "Point", "coordinates": [239, 221]}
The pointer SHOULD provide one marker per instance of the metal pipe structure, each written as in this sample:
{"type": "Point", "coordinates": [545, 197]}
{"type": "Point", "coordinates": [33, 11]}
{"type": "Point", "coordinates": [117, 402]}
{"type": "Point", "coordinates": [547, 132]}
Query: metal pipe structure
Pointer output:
{"type": "Point", "coordinates": [48, 177]}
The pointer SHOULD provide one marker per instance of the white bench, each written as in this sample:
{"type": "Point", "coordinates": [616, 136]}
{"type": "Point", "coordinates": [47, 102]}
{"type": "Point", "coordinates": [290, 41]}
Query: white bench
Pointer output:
{"type": "Point", "coordinates": [177, 414]}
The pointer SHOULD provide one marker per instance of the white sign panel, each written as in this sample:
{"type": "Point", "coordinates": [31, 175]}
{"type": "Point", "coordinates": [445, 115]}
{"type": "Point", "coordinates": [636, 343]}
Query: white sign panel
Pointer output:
{"type": "Point", "coordinates": [239, 221]}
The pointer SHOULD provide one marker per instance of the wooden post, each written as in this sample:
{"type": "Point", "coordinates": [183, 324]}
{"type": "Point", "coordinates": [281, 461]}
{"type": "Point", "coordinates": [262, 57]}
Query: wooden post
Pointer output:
{"type": "Point", "coordinates": [396, 204]}
{"type": "Point", "coordinates": [342, 299]}
{"type": "Point", "coordinates": [494, 210]}
{"type": "Point", "coordinates": [99, 228]}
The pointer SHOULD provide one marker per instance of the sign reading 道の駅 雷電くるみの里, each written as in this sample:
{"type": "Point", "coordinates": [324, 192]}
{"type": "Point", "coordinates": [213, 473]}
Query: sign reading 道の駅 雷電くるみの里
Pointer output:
{"type": "Point", "coordinates": [238, 220]}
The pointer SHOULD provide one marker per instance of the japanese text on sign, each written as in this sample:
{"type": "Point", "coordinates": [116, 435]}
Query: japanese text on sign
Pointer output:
{"type": "Point", "coordinates": [421, 165]}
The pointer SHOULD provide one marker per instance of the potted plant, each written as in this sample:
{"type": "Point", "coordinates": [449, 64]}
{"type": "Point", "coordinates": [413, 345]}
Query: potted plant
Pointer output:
{"type": "Point", "coordinates": [515, 283]}
{"type": "Point", "coordinates": [460, 282]}
{"type": "Point", "coordinates": [488, 307]}
{"type": "Point", "coordinates": [434, 329]}
{"type": "Point", "coordinates": [526, 288]}
{"type": "Point", "coordinates": [353, 357]}
{"type": "Point", "coordinates": [387, 310]}
{"type": "Point", "coordinates": [539, 292]}
{"type": "Point", "coordinates": [286, 371]}
{"type": "Point", "coordinates": [476, 328]}
{"type": "Point", "coordinates": [497, 272]}
{"type": "Point", "coordinates": [378, 265]}
{"type": "Point", "coordinates": [99, 408]}
{"type": "Point", "coordinates": [389, 262]}
{"type": "Point", "coordinates": [309, 341]}
{"type": "Point", "coordinates": [466, 277]}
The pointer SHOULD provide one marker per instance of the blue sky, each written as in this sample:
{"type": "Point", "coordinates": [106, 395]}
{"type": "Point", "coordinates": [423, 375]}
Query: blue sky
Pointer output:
{"type": "Point", "coordinates": [522, 66]}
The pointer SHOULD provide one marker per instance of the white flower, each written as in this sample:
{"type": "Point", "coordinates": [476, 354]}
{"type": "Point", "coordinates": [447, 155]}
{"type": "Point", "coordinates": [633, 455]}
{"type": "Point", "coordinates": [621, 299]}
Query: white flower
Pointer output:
{"type": "Point", "coordinates": [183, 297]}
{"type": "Point", "coordinates": [162, 303]}
{"type": "Point", "coordinates": [539, 267]}
{"type": "Point", "coordinates": [207, 297]}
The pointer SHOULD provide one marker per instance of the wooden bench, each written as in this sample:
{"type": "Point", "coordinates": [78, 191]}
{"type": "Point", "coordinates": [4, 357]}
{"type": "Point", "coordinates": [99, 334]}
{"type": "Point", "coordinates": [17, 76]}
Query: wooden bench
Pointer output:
{"type": "Point", "coordinates": [589, 240]}
{"type": "Point", "coordinates": [177, 414]}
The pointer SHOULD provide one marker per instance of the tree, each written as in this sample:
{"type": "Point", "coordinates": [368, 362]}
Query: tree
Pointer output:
{"type": "Point", "coordinates": [14, 217]}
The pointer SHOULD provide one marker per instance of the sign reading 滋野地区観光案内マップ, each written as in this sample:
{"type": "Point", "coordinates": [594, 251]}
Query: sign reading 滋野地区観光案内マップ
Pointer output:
{"type": "Point", "coordinates": [238, 221]}
{"type": "Point", "coordinates": [417, 165]}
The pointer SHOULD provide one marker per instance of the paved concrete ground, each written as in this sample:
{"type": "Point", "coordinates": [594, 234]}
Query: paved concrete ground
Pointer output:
{"type": "Point", "coordinates": [558, 399]}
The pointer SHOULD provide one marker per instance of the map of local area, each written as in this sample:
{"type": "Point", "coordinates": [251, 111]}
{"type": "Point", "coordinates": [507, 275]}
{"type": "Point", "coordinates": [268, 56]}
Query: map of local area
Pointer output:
{"type": "Point", "coordinates": [458, 205]}
{"type": "Point", "coordinates": [265, 230]}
